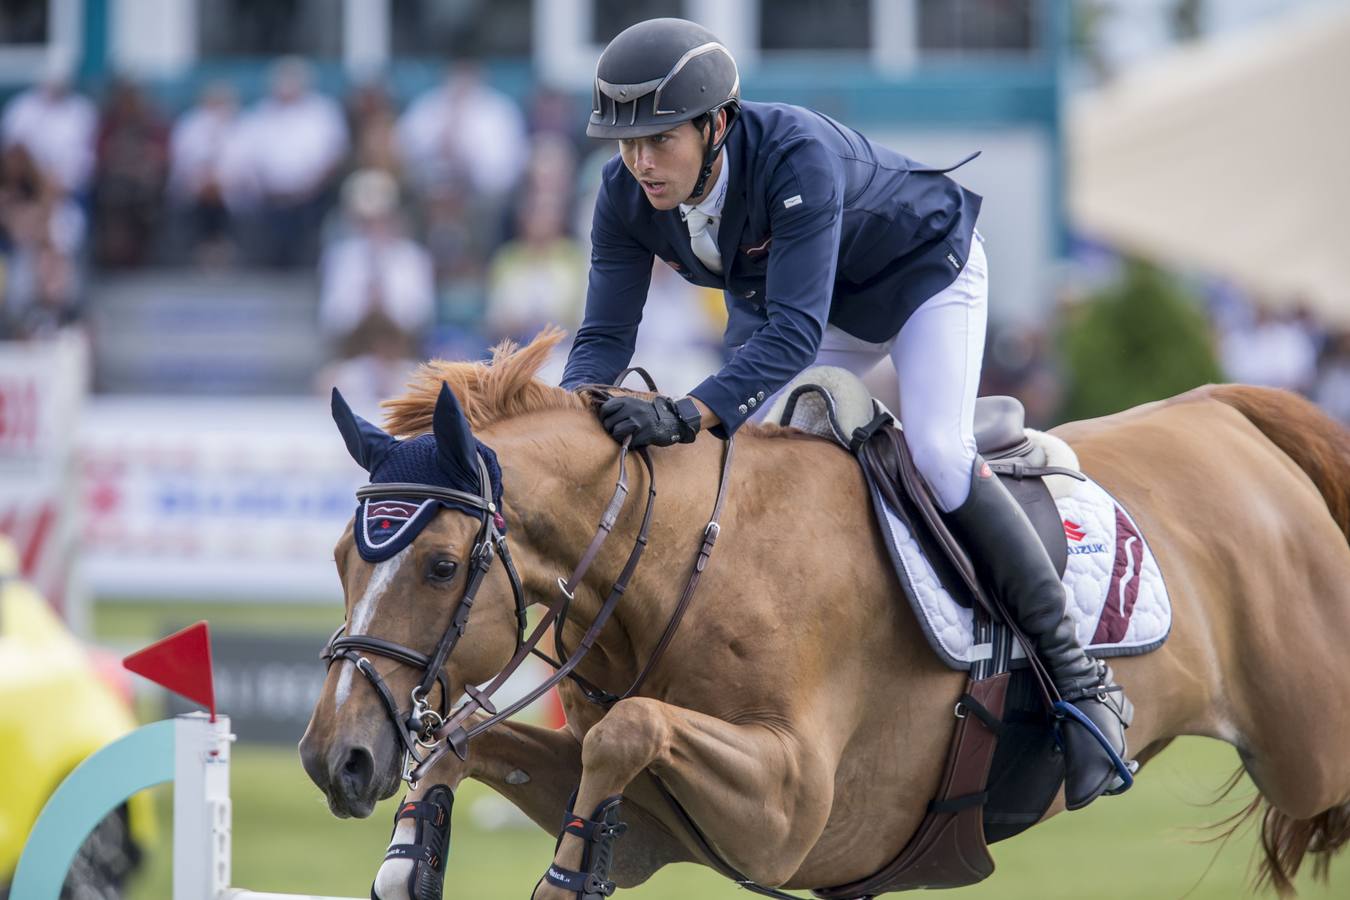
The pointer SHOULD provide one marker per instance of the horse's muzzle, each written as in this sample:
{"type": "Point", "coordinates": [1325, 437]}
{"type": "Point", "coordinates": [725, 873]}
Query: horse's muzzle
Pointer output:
{"type": "Point", "coordinates": [351, 775]}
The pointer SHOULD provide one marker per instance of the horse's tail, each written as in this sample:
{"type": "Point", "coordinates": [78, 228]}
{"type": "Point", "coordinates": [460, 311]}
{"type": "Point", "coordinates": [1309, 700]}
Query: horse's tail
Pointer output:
{"type": "Point", "coordinates": [1312, 439]}
{"type": "Point", "coordinates": [1321, 448]}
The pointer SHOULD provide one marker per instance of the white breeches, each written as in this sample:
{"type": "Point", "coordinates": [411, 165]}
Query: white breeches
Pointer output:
{"type": "Point", "coordinates": [937, 357]}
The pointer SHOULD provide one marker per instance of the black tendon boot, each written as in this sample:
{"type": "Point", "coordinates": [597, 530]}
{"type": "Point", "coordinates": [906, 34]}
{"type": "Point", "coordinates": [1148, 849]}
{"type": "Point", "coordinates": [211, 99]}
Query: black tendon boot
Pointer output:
{"type": "Point", "coordinates": [1012, 561]}
{"type": "Point", "coordinates": [599, 832]}
{"type": "Point", "coordinates": [431, 843]}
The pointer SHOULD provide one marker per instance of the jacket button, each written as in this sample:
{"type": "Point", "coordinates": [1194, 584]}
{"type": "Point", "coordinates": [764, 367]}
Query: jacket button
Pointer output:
{"type": "Point", "coordinates": [752, 401]}
{"type": "Point", "coordinates": [742, 409]}
{"type": "Point", "coordinates": [749, 294]}
{"type": "Point", "coordinates": [760, 396]}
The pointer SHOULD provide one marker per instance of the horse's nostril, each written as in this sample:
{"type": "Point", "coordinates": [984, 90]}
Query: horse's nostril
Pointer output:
{"type": "Point", "coordinates": [358, 769]}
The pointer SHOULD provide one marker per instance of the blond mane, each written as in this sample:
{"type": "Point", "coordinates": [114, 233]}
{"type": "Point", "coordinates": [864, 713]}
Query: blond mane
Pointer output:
{"type": "Point", "coordinates": [504, 388]}
{"type": "Point", "coordinates": [488, 391]}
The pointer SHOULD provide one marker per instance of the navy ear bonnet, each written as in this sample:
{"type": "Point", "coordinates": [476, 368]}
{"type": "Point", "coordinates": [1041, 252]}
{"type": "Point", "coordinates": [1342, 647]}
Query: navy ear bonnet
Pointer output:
{"type": "Point", "coordinates": [447, 458]}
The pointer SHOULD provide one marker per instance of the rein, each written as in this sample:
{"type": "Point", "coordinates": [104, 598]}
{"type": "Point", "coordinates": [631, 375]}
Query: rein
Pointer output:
{"type": "Point", "coordinates": [436, 731]}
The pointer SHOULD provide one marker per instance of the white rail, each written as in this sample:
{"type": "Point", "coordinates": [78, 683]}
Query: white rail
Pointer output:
{"type": "Point", "coordinates": [241, 894]}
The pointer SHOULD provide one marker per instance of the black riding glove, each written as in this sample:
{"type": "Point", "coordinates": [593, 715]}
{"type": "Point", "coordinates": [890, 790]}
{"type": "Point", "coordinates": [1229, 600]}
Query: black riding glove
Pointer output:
{"type": "Point", "coordinates": [656, 421]}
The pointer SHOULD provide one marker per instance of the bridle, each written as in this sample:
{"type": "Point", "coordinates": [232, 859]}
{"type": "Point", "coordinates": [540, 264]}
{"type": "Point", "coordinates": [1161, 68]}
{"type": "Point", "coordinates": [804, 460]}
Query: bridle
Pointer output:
{"type": "Point", "coordinates": [415, 728]}
{"type": "Point", "coordinates": [436, 731]}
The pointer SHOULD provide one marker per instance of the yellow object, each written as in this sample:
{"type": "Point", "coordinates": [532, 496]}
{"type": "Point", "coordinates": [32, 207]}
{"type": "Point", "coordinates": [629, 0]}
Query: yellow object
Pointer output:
{"type": "Point", "coordinates": [9, 559]}
{"type": "Point", "coordinates": [55, 709]}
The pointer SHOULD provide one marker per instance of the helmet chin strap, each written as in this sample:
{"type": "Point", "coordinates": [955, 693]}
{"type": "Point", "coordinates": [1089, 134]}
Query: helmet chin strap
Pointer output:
{"type": "Point", "coordinates": [710, 151]}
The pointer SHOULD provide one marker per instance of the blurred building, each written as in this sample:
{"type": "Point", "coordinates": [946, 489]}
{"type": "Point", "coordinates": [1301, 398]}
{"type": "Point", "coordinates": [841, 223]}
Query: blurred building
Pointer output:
{"type": "Point", "coordinates": [1228, 158]}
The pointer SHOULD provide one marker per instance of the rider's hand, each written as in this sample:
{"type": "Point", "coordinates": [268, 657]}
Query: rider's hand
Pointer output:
{"type": "Point", "coordinates": [656, 421]}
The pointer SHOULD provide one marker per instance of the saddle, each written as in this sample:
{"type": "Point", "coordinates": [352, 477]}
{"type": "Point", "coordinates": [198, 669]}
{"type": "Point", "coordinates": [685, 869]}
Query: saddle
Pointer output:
{"type": "Point", "coordinates": [949, 849]}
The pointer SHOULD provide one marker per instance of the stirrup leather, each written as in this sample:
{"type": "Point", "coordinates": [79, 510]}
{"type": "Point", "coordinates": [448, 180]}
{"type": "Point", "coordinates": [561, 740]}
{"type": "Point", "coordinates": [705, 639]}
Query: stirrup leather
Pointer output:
{"type": "Point", "coordinates": [599, 832]}
{"type": "Point", "coordinates": [431, 843]}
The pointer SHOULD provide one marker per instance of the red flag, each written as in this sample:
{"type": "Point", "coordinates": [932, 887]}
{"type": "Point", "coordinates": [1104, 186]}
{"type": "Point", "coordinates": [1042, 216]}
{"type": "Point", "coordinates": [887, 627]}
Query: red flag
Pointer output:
{"type": "Point", "coordinates": [180, 662]}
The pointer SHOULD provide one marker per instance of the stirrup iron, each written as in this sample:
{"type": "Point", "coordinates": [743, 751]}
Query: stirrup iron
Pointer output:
{"type": "Point", "coordinates": [1124, 770]}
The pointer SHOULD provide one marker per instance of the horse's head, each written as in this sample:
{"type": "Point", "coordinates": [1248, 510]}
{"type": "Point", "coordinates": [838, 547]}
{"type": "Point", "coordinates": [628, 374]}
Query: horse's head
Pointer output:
{"type": "Point", "coordinates": [422, 541]}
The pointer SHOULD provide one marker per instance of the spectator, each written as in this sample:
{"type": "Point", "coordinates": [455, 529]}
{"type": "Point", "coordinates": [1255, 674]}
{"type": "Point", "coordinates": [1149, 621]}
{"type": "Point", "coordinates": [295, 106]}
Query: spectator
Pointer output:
{"type": "Point", "coordinates": [132, 161]}
{"type": "Point", "coordinates": [447, 224]}
{"type": "Point", "coordinates": [380, 363]}
{"type": "Point", "coordinates": [1274, 350]}
{"type": "Point", "coordinates": [40, 229]}
{"type": "Point", "coordinates": [197, 174]}
{"type": "Point", "coordinates": [27, 198]}
{"type": "Point", "coordinates": [56, 126]}
{"type": "Point", "coordinates": [464, 130]}
{"type": "Point", "coordinates": [555, 112]}
{"type": "Point", "coordinates": [372, 120]}
{"type": "Point", "coordinates": [56, 301]}
{"type": "Point", "coordinates": [281, 163]}
{"type": "Point", "coordinates": [375, 272]}
{"type": "Point", "coordinates": [537, 279]}
{"type": "Point", "coordinates": [1019, 363]}
{"type": "Point", "coordinates": [551, 170]}
{"type": "Point", "coordinates": [1332, 390]}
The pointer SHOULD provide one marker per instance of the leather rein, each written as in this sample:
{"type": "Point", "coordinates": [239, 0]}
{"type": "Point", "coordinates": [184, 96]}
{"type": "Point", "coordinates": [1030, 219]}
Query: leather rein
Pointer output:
{"type": "Point", "coordinates": [436, 731]}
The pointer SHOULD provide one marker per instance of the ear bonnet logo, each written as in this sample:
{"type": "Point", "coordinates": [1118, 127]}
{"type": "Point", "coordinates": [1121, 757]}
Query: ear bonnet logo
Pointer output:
{"type": "Point", "coordinates": [447, 458]}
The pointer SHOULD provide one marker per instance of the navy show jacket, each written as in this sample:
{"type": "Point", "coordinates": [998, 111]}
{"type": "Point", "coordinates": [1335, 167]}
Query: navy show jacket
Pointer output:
{"type": "Point", "coordinates": [818, 225]}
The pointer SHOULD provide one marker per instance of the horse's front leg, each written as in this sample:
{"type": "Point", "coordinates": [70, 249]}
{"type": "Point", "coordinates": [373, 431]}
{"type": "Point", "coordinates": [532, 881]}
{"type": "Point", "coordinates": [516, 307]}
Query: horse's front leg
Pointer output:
{"type": "Point", "coordinates": [536, 769]}
{"type": "Point", "coordinates": [757, 793]}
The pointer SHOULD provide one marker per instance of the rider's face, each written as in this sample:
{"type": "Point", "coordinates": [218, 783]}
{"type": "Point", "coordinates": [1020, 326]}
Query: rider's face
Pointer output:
{"type": "Point", "coordinates": [667, 164]}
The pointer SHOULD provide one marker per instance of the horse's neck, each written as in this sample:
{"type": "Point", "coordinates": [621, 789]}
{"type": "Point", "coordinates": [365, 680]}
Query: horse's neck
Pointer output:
{"type": "Point", "coordinates": [555, 499]}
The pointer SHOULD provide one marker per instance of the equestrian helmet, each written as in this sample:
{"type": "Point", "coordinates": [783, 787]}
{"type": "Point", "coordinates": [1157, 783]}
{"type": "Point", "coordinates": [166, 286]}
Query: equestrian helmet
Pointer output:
{"type": "Point", "coordinates": [657, 74]}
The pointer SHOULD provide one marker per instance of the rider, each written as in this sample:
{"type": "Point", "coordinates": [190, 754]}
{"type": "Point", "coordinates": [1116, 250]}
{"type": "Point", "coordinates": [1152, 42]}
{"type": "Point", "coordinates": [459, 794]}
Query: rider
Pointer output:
{"type": "Point", "coordinates": [831, 250]}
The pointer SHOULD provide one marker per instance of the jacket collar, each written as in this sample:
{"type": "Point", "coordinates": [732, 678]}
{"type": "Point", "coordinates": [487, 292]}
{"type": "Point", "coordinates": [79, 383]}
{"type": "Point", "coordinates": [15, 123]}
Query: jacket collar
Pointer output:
{"type": "Point", "coordinates": [734, 207]}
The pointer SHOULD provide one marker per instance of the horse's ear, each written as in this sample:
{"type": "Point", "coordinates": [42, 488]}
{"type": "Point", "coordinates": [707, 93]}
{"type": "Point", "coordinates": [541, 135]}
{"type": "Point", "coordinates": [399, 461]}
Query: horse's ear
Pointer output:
{"type": "Point", "coordinates": [456, 449]}
{"type": "Point", "coordinates": [368, 444]}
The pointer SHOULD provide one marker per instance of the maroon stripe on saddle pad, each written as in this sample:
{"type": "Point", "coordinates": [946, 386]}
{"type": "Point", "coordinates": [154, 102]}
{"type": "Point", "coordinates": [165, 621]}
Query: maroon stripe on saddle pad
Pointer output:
{"type": "Point", "coordinates": [1126, 572]}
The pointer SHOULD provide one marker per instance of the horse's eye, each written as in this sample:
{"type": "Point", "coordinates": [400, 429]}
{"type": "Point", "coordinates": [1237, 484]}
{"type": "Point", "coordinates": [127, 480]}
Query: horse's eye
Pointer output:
{"type": "Point", "coordinates": [443, 569]}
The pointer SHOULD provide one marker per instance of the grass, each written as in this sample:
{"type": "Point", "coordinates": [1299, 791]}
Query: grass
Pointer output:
{"type": "Point", "coordinates": [1144, 844]}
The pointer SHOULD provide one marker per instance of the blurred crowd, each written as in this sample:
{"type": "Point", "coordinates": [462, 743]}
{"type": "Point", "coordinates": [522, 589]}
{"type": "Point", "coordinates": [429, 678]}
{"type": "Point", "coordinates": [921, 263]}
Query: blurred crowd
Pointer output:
{"type": "Point", "coordinates": [438, 227]}
{"type": "Point", "coordinates": [441, 227]}
{"type": "Point", "coordinates": [1289, 349]}
{"type": "Point", "coordinates": [1282, 345]}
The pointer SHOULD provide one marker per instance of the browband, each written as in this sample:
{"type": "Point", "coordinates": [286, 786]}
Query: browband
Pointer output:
{"type": "Point", "coordinates": [399, 490]}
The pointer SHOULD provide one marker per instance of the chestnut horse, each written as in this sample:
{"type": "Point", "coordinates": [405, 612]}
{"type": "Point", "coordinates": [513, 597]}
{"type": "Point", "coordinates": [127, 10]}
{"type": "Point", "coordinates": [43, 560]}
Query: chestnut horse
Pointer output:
{"type": "Point", "coordinates": [799, 716]}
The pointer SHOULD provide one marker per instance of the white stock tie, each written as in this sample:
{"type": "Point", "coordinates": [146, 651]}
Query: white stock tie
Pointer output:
{"type": "Point", "coordinates": [705, 248]}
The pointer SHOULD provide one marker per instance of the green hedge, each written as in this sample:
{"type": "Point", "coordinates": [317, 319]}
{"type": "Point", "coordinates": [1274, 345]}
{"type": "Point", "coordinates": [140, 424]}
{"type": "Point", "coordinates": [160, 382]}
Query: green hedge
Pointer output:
{"type": "Point", "coordinates": [1140, 339]}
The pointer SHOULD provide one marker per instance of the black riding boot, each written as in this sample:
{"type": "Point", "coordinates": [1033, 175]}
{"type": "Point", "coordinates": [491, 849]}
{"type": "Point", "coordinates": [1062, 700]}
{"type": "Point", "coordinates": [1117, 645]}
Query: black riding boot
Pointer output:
{"type": "Point", "coordinates": [1011, 560]}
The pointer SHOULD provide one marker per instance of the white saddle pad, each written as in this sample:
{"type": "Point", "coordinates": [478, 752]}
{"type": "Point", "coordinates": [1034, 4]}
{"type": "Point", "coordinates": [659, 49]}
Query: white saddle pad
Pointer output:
{"type": "Point", "coordinates": [1115, 590]}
